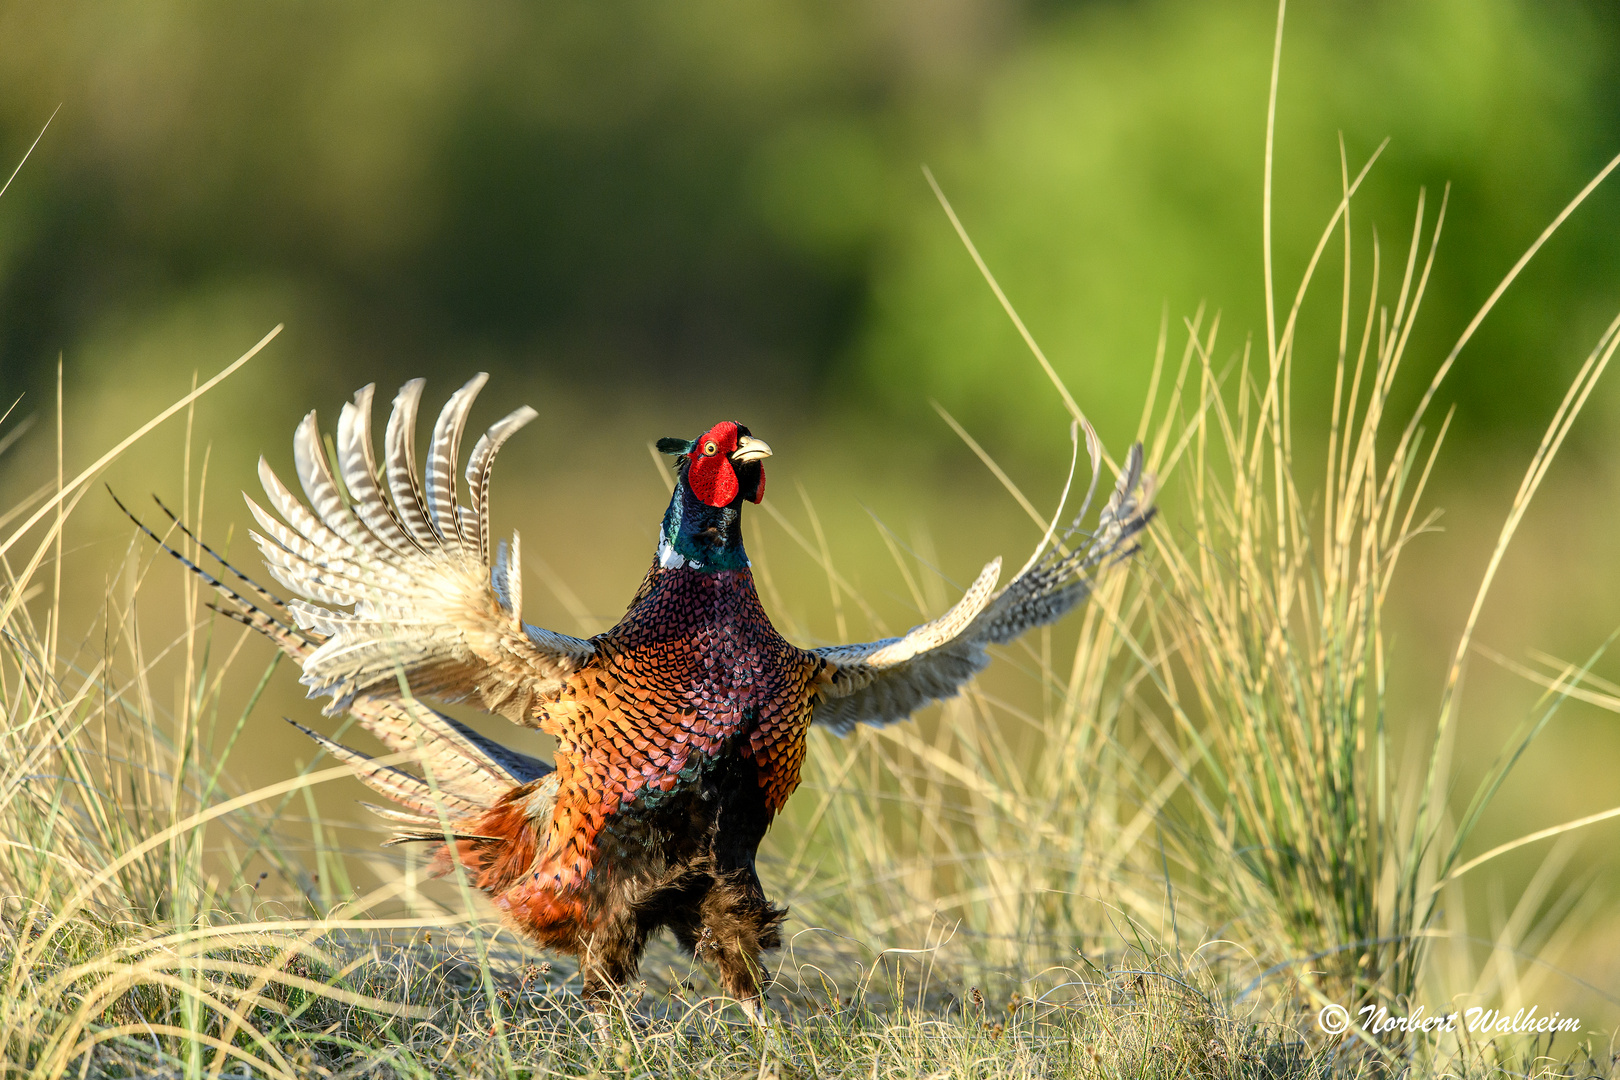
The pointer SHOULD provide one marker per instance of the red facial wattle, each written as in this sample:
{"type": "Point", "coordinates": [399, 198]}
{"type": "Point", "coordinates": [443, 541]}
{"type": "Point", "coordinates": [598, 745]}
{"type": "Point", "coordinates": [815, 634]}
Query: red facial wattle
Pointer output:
{"type": "Point", "coordinates": [711, 474]}
{"type": "Point", "coordinates": [713, 480]}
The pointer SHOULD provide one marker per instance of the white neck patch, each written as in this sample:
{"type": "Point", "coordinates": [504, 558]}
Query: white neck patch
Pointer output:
{"type": "Point", "coordinates": [670, 559]}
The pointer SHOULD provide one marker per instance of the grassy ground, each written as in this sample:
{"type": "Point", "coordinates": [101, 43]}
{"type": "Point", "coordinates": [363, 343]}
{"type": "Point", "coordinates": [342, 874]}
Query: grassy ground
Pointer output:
{"type": "Point", "coordinates": [1194, 832]}
{"type": "Point", "coordinates": [275, 1005]}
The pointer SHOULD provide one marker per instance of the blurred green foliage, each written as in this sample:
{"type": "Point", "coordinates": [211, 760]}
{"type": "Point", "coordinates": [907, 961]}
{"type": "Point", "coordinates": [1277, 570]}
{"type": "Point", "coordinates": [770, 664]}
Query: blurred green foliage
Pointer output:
{"type": "Point", "coordinates": [1113, 176]}
{"type": "Point", "coordinates": [725, 198]}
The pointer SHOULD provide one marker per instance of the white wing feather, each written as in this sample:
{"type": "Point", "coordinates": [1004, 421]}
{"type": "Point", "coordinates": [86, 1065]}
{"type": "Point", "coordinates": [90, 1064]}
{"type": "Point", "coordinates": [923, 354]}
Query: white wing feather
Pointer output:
{"type": "Point", "coordinates": [398, 581]}
{"type": "Point", "coordinates": [880, 682]}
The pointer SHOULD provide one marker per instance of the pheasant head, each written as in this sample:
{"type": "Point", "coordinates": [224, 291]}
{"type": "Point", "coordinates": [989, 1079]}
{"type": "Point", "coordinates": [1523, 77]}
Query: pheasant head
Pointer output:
{"type": "Point", "coordinates": [716, 472]}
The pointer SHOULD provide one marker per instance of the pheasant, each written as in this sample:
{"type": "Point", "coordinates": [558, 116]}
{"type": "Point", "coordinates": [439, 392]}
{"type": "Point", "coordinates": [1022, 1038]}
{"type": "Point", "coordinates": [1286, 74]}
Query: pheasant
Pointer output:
{"type": "Point", "coordinates": [680, 732]}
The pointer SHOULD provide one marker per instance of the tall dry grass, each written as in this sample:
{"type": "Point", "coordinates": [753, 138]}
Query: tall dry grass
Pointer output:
{"type": "Point", "coordinates": [128, 938]}
{"type": "Point", "coordinates": [1214, 758]}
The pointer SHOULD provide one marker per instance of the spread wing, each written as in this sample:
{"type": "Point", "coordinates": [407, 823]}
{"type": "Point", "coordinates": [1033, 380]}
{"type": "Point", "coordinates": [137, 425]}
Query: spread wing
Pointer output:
{"type": "Point", "coordinates": [880, 682]}
{"type": "Point", "coordinates": [409, 563]}
{"type": "Point", "coordinates": [467, 774]}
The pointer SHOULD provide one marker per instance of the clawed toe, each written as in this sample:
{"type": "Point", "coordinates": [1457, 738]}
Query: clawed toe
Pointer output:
{"type": "Point", "coordinates": [600, 1023]}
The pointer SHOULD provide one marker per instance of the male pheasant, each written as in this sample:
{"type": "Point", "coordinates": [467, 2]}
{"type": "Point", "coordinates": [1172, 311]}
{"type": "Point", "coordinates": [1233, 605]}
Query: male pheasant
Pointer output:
{"type": "Point", "coordinates": [680, 731]}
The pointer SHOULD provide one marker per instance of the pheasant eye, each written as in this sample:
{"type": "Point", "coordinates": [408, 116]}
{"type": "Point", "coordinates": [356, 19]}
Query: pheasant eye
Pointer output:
{"type": "Point", "coordinates": [709, 448]}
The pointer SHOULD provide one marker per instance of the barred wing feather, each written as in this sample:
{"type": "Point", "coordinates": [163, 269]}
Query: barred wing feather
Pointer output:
{"type": "Point", "coordinates": [411, 565]}
{"type": "Point", "coordinates": [466, 772]}
{"type": "Point", "coordinates": [880, 682]}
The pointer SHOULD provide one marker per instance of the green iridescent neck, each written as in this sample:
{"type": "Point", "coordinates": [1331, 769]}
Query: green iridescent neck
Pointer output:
{"type": "Point", "coordinates": [698, 536]}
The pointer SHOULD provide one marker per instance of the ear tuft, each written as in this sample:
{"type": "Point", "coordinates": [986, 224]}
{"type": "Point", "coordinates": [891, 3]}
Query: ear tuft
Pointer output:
{"type": "Point", "coordinates": [675, 446]}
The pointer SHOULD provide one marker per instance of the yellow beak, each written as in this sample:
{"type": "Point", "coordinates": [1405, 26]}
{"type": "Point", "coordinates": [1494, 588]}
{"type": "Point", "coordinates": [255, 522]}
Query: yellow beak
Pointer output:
{"type": "Point", "coordinates": [751, 449]}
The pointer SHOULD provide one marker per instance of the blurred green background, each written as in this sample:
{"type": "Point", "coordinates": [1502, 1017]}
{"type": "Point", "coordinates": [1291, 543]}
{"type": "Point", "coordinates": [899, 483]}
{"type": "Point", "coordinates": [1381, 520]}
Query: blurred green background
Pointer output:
{"type": "Point", "coordinates": [642, 217]}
